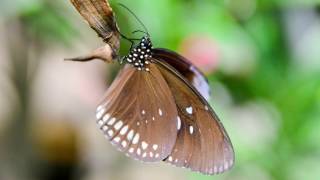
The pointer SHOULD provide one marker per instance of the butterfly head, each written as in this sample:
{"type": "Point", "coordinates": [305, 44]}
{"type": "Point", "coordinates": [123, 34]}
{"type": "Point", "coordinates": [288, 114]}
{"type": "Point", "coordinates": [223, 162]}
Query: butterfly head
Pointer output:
{"type": "Point", "coordinates": [140, 55]}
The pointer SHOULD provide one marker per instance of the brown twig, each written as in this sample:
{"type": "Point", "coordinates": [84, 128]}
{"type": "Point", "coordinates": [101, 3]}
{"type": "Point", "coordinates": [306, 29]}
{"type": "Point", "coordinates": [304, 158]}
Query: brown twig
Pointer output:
{"type": "Point", "coordinates": [100, 17]}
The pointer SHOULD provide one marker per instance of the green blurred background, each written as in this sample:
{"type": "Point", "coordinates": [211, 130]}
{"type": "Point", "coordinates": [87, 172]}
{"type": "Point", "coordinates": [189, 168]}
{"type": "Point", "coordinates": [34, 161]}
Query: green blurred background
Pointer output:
{"type": "Point", "coordinates": [262, 59]}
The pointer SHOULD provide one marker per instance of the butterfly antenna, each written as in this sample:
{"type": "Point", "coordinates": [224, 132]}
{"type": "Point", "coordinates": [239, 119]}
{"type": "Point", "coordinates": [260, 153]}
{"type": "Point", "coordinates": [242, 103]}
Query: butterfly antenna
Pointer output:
{"type": "Point", "coordinates": [136, 17]}
{"type": "Point", "coordinates": [136, 31]}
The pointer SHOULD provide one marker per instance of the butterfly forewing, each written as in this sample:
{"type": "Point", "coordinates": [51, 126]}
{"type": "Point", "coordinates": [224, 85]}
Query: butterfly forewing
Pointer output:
{"type": "Point", "coordinates": [138, 114]}
{"type": "Point", "coordinates": [185, 68]}
{"type": "Point", "coordinates": [202, 143]}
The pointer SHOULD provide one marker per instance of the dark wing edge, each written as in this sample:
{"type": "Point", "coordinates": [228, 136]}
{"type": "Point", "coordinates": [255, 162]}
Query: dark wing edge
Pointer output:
{"type": "Point", "coordinates": [208, 167]}
{"type": "Point", "coordinates": [189, 71]}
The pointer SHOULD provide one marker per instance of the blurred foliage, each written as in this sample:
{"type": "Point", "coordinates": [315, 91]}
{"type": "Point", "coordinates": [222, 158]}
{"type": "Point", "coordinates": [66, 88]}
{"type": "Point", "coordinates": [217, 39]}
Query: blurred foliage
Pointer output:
{"type": "Point", "coordinates": [257, 62]}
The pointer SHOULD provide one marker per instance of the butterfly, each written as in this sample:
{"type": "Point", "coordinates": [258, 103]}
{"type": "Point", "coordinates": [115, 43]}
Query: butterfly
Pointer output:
{"type": "Point", "coordinates": [156, 109]}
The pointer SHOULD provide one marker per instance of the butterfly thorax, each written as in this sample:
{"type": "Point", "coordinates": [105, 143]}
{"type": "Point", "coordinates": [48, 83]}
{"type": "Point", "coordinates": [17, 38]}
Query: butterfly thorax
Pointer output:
{"type": "Point", "coordinates": [140, 54]}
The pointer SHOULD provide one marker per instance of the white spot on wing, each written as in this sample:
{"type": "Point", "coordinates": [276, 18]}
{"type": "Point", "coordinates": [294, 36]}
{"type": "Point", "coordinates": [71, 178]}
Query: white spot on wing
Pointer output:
{"type": "Point", "coordinates": [178, 123]}
{"type": "Point", "coordinates": [139, 151]}
{"type": "Point", "coordinates": [191, 129]}
{"type": "Point", "coordinates": [157, 155]}
{"type": "Point", "coordinates": [189, 110]}
{"type": "Point", "coordinates": [226, 166]}
{"type": "Point", "coordinates": [155, 147]}
{"type": "Point", "coordinates": [100, 123]}
{"type": "Point", "coordinates": [110, 133]}
{"type": "Point", "coordinates": [144, 145]}
{"type": "Point", "coordinates": [113, 120]}
{"type": "Point", "coordinates": [170, 158]}
{"type": "Point", "coordinates": [105, 128]}
{"type": "Point", "coordinates": [99, 108]}
{"type": "Point", "coordinates": [106, 118]}
{"type": "Point", "coordinates": [124, 144]}
{"type": "Point", "coordinates": [124, 130]}
{"type": "Point", "coordinates": [130, 135]}
{"type": "Point", "coordinates": [131, 150]}
{"type": "Point", "coordinates": [118, 125]}
{"type": "Point", "coordinates": [117, 139]}
{"type": "Point", "coordinates": [136, 139]}
{"type": "Point", "coordinates": [143, 112]}
{"type": "Point", "coordinates": [160, 112]}
{"type": "Point", "coordinates": [100, 114]}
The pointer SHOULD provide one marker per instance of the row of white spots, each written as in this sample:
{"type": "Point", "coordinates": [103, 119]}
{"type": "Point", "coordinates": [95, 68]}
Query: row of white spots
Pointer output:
{"type": "Point", "coordinates": [131, 136]}
{"type": "Point", "coordinates": [220, 169]}
{"type": "Point", "coordinates": [170, 159]}
{"type": "Point", "coordinates": [118, 125]}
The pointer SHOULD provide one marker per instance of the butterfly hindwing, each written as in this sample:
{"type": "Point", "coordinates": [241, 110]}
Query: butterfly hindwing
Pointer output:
{"type": "Point", "coordinates": [138, 114]}
{"type": "Point", "coordinates": [202, 143]}
{"type": "Point", "coordinates": [185, 68]}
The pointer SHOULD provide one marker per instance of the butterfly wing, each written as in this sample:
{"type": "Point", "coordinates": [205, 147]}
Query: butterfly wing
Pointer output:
{"type": "Point", "coordinates": [185, 68]}
{"type": "Point", "coordinates": [202, 143]}
{"type": "Point", "coordinates": [100, 17]}
{"type": "Point", "coordinates": [137, 114]}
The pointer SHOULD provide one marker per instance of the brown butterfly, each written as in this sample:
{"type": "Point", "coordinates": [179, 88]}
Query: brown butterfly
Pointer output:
{"type": "Point", "coordinates": [156, 110]}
